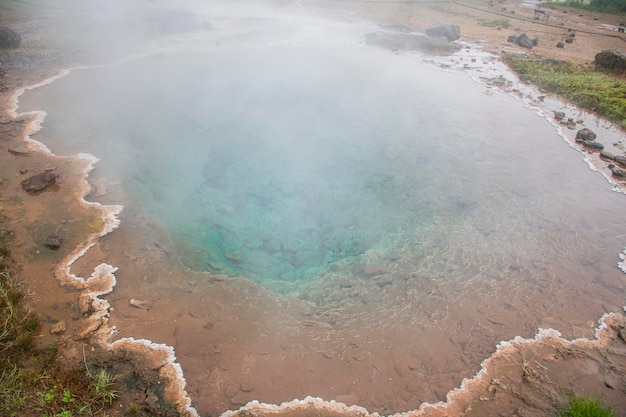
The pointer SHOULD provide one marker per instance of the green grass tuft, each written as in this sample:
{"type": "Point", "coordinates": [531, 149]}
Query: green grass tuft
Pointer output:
{"type": "Point", "coordinates": [586, 407]}
{"type": "Point", "coordinates": [500, 23]}
{"type": "Point", "coordinates": [585, 87]}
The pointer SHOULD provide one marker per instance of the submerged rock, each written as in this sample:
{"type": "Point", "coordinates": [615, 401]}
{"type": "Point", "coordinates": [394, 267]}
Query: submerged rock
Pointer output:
{"type": "Point", "coordinates": [140, 304]}
{"type": "Point", "coordinates": [58, 328]}
{"type": "Point", "coordinates": [408, 42]}
{"type": "Point", "coordinates": [39, 182]}
{"type": "Point", "coordinates": [53, 242]}
{"type": "Point", "coordinates": [445, 30]}
{"type": "Point", "coordinates": [9, 38]}
{"type": "Point", "coordinates": [373, 270]}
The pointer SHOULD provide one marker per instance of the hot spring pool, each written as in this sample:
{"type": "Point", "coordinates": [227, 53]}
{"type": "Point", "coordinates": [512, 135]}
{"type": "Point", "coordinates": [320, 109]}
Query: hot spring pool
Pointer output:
{"type": "Point", "coordinates": [400, 204]}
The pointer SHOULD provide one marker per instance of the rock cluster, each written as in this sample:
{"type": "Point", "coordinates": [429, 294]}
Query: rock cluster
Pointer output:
{"type": "Point", "coordinates": [619, 167]}
{"type": "Point", "coordinates": [587, 138]}
{"type": "Point", "coordinates": [446, 30]}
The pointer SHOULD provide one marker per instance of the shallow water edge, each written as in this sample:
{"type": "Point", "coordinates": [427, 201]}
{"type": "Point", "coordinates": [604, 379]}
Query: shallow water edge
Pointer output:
{"type": "Point", "coordinates": [95, 310]}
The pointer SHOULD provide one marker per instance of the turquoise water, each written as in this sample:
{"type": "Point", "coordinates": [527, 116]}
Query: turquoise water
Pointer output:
{"type": "Point", "coordinates": [282, 163]}
{"type": "Point", "coordinates": [269, 164]}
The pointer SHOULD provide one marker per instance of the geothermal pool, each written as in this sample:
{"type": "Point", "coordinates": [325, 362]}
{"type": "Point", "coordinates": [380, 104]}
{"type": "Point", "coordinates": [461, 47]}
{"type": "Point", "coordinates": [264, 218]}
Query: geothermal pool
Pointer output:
{"type": "Point", "coordinates": [356, 225]}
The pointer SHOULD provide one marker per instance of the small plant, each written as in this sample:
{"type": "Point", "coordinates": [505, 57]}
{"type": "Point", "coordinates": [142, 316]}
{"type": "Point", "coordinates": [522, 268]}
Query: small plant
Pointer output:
{"type": "Point", "coordinates": [102, 388]}
{"type": "Point", "coordinates": [447, 10]}
{"type": "Point", "coordinates": [67, 397]}
{"type": "Point", "coordinates": [500, 23]}
{"type": "Point", "coordinates": [12, 396]}
{"type": "Point", "coordinates": [586, 407]}
{"type": "Point", "coordinates": [46, 397]}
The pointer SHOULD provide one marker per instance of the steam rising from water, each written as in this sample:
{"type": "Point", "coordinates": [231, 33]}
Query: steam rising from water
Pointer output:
{"type": "Point", "coordinates": [406, 208]}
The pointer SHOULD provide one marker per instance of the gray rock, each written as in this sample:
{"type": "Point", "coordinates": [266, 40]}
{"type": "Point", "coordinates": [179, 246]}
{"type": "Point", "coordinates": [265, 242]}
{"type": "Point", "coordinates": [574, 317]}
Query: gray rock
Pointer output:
{"type": "Point", "coordinates": [560, 45]}
{"type": "Point", "coordinates": [593, 144]}
{"type": "Point", "coordinates": [607, 155]}
{"type": "Point", "coordinates": [523, 40]}
{"type": "Point", "coordinates": [611, 59]}
{"type": "Point", "coordinates": [445, 30]}
{"type": "Point", "coordinates": [620, 159]}
{"type": "Point", "coordinates": [559, 115]}
{"type": "Point", "coordinates": [585, 134]}
{"type": "Point", "coordinates": [619, 172]}
{"type": "Point", "coordinates": [39, 182]}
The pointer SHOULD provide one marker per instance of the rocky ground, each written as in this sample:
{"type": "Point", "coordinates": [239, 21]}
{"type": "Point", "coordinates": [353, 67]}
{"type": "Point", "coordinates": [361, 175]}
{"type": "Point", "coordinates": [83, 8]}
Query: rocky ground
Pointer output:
{"type": "Point", "coordinates": [492, 22]}
{"type": "Point", "coordinates": [525, 379]}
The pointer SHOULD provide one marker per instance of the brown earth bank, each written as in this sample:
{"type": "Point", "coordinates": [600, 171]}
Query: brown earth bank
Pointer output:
{"type": "Point", "coordinates": [524, 379]}
{"type": "Point", "coordinates": [492, 22]}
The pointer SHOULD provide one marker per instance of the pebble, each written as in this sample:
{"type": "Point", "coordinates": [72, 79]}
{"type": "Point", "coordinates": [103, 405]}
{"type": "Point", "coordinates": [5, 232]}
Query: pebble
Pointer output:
{"type": "Point", "coordinates": [58, 328]}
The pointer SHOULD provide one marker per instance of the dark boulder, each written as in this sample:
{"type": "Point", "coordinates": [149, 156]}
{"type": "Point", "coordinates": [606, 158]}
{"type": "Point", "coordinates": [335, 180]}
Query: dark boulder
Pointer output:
{"type": "Point", "coordinates": [445, 30]}
{"type": "Point", "coordinates": [9, 38]}
{"type": "Point", "coordinates": [585, 134]}
{"type": "Point", "coordinates": [593, 144]}
{"type": "Point", "coordinates": [611, 59]}
{"type": "Point", "coordinates": [619, 172]}
{"type": "Point", "coordinates": [523, 40]}
{"type": "Point", "coordinates": [39, 182]}
{"type": "Point", "coordinates": [560, 45]}
{"type": "Point", "coordinates": [607, 155]}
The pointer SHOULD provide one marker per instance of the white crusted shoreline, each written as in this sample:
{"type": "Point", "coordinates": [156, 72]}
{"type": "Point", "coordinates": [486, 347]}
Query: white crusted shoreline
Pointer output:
{"type": "Point", "coordinates": [96, 310]}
